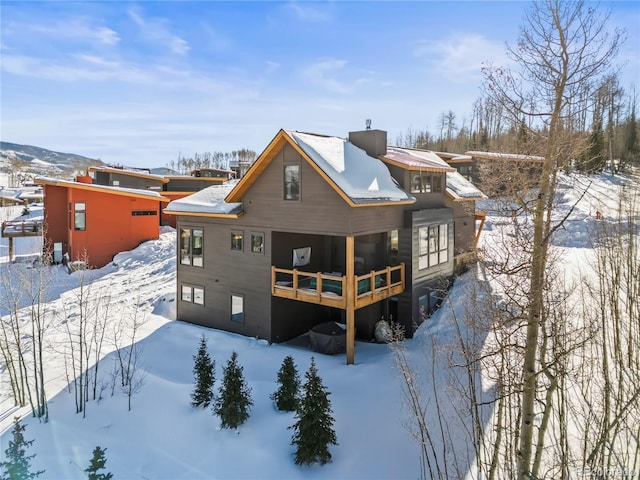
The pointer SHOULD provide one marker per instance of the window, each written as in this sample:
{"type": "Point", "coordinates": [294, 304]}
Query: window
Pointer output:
{"type": "Point", "coordinates": [191, 246]}
{"type": "Point", "coordinates": [257, 243]}
{"type": "Point", "coordinates": [422, 182]}
{"type": "Point", "coordinates": [187, 293]}
{"type": "Point", "coordinates": [143, 213]}
{"type": "Point", "coordinates": [79, 216]}
{"type": "Point", "coordinates": [192, 294]}
{"type": "Point", "coordinates": [433, 245]}
{"type": "Point", "coordinates": [393, 242]}
{"type": "Point", "coordinates": [237, 308]}
{"type": "Point", "coordinates": [198, 295]}
{"type": "Point", "coordinates": [292, 182]}
{"type": "Point", "coordinates": [236, 241]}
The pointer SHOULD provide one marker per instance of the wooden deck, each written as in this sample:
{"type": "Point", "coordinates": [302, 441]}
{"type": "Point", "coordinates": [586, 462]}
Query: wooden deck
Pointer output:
{"type": "Point", "coordinates": [328, 289]}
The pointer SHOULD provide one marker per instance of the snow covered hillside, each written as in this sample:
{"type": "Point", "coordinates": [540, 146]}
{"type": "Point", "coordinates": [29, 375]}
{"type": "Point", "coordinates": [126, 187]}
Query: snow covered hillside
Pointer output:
{"type": "Point", "coordinates": [163, 437]}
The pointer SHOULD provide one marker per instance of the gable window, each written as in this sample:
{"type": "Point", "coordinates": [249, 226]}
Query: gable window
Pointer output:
{"type": "Point", "coordinates": [292, 182]}
{"type": "Point", "coordinates": [236, 241]}
{"type": "Point", "coordinates": [191, 243]}
{"type": "Point", "coordinates": [422, 182]}
{"type": "Point", "coordinates": [79, 216]}
{"type": "Point", "coordinates": [433, 245]}
{"type": "Point", "coordinates": [257, 242]}
{"type": "Point", "coordinates": [237, 308]}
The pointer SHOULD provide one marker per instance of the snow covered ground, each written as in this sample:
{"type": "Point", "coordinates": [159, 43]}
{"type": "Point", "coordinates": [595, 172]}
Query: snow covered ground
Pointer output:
{"type": "Point", "coordinates": [163, 437]}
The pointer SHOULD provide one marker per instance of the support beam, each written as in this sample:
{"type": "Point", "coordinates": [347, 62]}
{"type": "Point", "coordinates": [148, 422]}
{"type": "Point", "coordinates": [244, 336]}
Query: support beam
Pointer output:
{"type": "Point", "coordinates": [11, 249]}
{"type": "Point", "coordinates": [350, 286]}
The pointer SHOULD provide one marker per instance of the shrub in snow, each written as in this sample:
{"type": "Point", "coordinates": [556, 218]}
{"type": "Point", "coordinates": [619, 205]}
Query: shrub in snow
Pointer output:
{"type": "Point", "coordinates": [98, 462]}
{"type": "Point", "coordinates": [16, 463]}
{"type": "Point", "coordinates": [286, 397]}
{"type": "Point", "coordinates": [313, 432]}
{"type": "Point", "coordinates": [234, 398]}
{"type": "Point", "coordinates": [204, 376]}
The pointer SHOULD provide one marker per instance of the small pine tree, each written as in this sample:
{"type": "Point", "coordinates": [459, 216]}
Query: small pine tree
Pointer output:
{"type": "Point", "coordinates": [204, 373]}
{"type": "Point", "coordinates": [234, 399]}
{"type": "Point", "coordinates": [16, 464]}
{"type": "Point", "coordinates": [313, 432]}
{"type": "Point", "coordinates": [98, 462]}
{"type": "Point", "coordinates": [286, 397]}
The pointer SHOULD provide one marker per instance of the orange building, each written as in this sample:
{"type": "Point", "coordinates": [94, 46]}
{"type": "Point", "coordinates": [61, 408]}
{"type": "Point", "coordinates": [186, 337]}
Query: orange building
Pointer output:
{"type": "Point", "coordinates": [95, 222]}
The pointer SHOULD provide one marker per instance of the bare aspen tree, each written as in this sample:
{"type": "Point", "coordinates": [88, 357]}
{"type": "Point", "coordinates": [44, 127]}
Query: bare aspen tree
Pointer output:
{"type": "Point", "coordinates": [563, 45]}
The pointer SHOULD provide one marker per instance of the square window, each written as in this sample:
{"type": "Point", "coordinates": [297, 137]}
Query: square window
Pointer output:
{"type": "Point", "coordinates": [257, 243]}
{"type": "Point", "coordinates": [187, 294]}
{"type": "Point", "coordinates": [292, 182]}
{"type": "Point", "coordinates": [236, 241]}
{"type": "Point", "coordinates": [237, 308]}
{"type": "Point", "coordinates": [198, 295]}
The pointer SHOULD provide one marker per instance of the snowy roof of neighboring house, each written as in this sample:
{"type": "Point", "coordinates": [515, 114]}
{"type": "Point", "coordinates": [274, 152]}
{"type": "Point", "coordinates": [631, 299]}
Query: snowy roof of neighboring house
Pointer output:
{"type": "Point", "coordinates": [359, 179]}
{"type": "Point", "coordinates": [504, 156]}
{"type": "Point", "coordinates": [9, 194]}
{"type": "Point", "coordinates": [208, 202]}
{"type": "Point", "coordinates": [459, 188]}
{"type": "Point", "coordinates": [364, 179]}
{"type": "Point", "coordinates": [420, 160]}
{"type": "Point", "coordinates": [129, 172]}
{"type": "Point", "coordinates": [129, 192]}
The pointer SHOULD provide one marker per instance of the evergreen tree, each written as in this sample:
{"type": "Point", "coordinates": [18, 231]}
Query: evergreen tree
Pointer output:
{"type": "Point", "coordinates": [286, 397]}
{"type": "Point", "coordinates": [204, 373]}
{"type": "Point", "coordinates": [98, 462]}
{"type": "Point", "coordinates": [313, 432]}
{"type": "Point", "coordinates": [16, 464]}
{"type": "Point", "coordinates": [234, 399]}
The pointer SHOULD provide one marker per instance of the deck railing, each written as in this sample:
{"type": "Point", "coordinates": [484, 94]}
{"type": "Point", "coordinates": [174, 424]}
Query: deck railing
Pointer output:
{"type": "Point", "coordinates": [328, 288]}
{"type": "Point", "coordinates": [22, 228]}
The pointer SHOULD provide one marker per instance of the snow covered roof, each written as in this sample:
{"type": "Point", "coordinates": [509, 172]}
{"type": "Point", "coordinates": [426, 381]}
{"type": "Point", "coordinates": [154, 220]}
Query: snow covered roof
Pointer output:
{"type": "Point", "coordinates": [135, 192]}
{"type": "Point", "coordinates": [459, 188]}
{"type": "Point", "coordinates": [208, 201]}
{"type": "Point", "coordinates": [504, 156]}
{"type": "Point", "coordinates": [412, 159]}
{"type": "Point", "coordinates": [363, 179]}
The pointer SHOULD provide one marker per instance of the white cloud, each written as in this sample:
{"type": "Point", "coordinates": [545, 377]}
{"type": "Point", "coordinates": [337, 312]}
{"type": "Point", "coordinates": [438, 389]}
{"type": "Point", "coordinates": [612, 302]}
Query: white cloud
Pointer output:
{"type": "Point", "coordinates": [69, 28]}
{"type": "Point", "coordinates": [306, 12]}
{"type": "Point", "coordinates": [460, 57]}
{"type": "Point", "coordinates": [331, 75]}
{"type": "Point", "coordinates": [156, 30]}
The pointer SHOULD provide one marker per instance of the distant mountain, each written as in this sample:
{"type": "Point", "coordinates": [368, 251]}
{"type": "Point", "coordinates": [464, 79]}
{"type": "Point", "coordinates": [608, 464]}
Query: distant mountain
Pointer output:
{"type": "Point", "coordinates": [40, 160]}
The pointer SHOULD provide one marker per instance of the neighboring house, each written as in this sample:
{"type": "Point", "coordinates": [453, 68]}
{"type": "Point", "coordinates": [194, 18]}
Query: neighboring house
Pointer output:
{"type": "Point", "coordinates": [322, 228]}
{"type": "Point", "coordinates": [172, 186]}
{"type": "Point", "coordinates": [483, 168]}
{"type": "Point", "coordinates": [94, 222]}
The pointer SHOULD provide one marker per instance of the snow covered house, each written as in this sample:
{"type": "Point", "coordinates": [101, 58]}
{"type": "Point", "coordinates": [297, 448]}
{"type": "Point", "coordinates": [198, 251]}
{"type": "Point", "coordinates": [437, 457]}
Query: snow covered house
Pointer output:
{"type": "Point", "coordinates": [323, 228]}
{"type": "Point", "coordinates": [94, 222]}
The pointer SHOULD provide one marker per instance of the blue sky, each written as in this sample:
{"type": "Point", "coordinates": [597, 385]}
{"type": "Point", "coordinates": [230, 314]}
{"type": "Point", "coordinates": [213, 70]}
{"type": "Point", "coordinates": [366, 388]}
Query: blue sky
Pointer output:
{"type": "Point", "coordinates": [138, 83]}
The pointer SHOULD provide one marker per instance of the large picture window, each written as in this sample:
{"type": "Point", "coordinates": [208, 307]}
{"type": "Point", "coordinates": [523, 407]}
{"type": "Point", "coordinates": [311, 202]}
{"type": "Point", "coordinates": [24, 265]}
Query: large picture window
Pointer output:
{"type": "Point", "coordinates": [433, 245]}
{"type": "Point", "coordinates": [191, 246]}
{"type": "Point", "coordinates": [79, 216]}
{"type": "Point", "coordinates": [292, 182]}
{"type": "Point", "coordinates": [422, 182]}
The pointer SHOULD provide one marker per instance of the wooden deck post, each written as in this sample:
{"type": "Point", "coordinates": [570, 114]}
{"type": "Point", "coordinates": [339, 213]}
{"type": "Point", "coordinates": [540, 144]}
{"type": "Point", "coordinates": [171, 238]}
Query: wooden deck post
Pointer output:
{"type": "Point", "coordinates": [11, 249]}
{"type": "Point", "coordinates": [350, 296]}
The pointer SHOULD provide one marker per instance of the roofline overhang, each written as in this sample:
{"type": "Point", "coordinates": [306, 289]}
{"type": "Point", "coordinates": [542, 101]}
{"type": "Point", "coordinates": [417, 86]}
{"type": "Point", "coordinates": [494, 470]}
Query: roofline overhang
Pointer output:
{"type": "Point", "coordinates": [100, 189]}
{"type": "Point", "coordinates": [416, 168]}
{"type": "Point", "coordinates": [130, 173]}
{"type": "Point", "coordinates": [204, 214]}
